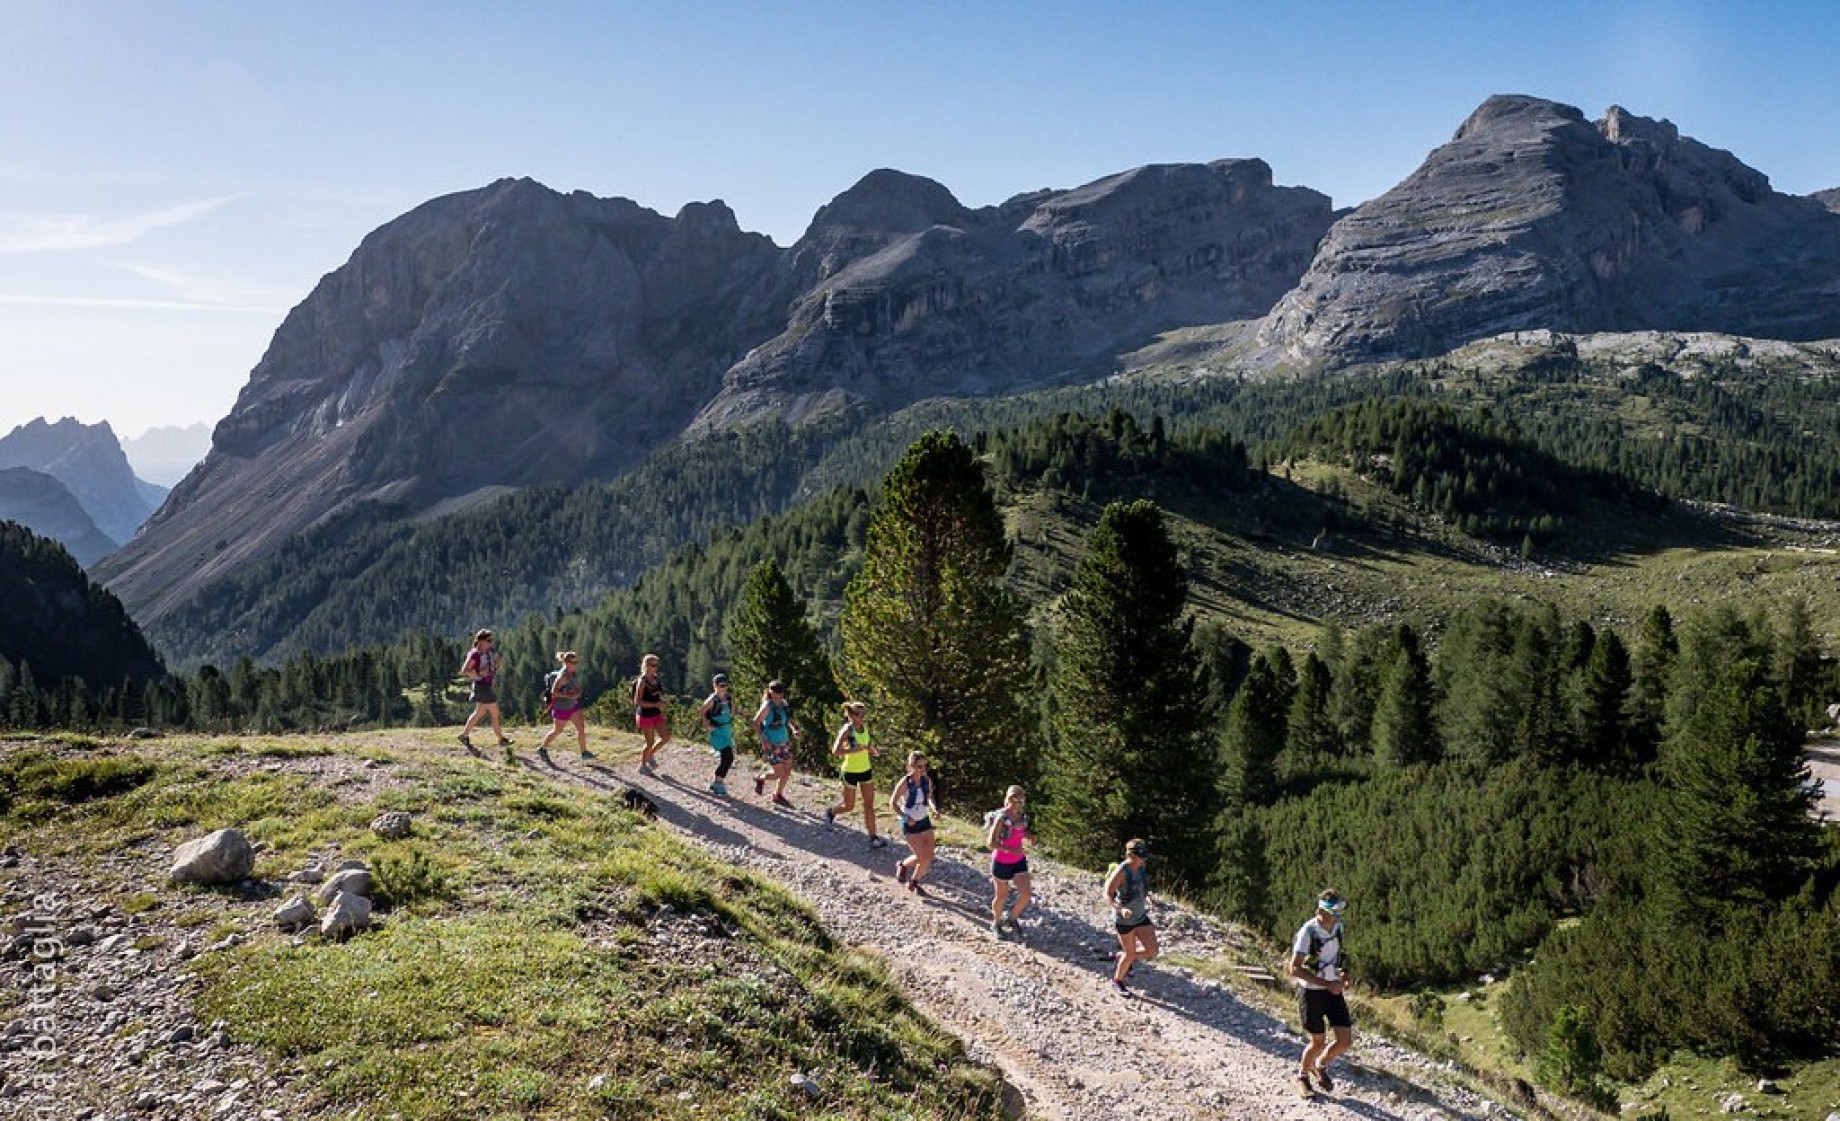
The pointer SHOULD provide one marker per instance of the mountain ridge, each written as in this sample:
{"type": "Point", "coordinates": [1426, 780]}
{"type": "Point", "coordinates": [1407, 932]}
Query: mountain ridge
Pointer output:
{"type": "Point", "coordinates": [513, 336]}
{"type": "Point", "coordinates": [88, 461]}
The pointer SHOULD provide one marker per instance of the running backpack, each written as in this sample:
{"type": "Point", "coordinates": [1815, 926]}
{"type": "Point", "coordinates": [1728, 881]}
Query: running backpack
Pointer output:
{"type": "Point", "coordinates": [549, 685]}
{"type": "Point", "coordinates": [1311, 959]}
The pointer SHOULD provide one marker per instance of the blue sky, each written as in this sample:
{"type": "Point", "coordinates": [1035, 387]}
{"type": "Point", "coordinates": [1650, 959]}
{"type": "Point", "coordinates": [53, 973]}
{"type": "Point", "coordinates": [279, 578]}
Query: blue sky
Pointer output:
{"type": "Point", "coordinates": [175, 176]}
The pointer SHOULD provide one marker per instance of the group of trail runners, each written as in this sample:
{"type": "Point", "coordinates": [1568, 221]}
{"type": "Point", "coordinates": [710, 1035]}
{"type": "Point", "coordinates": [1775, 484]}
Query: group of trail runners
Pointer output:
{"type": "Point", "coordinates": [1315, 961]}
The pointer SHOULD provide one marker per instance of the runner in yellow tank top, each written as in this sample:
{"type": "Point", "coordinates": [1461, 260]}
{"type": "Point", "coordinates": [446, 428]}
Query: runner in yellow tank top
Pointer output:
{"type": "Point", "coordinates": [854, 748]}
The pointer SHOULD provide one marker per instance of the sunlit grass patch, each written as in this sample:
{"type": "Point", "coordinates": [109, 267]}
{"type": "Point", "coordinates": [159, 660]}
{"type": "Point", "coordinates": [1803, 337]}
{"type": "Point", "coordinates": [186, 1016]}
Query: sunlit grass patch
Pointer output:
{"type": "Point", "coordinates": [532, 938]}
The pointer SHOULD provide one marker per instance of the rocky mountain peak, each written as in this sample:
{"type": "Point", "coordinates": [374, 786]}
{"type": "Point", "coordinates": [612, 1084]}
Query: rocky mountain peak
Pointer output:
{"type": "Point", "coordinates": [1532, 217]}
{"type": "Point", "coordinates": [890, 202]}
{"type": "Point", "coordinates": [87, 459]}
{"type": "Point", "coordinates": [506, 336]}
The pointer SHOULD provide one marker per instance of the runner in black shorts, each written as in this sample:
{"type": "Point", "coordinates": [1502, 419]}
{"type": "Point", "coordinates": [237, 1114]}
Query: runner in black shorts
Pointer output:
{"type": "Point", "coordinates": [1127, 890]}
{"type": "Point", "coordinates": [1316, 955]}
{"type": "Point", "coordinates": [912, 801]}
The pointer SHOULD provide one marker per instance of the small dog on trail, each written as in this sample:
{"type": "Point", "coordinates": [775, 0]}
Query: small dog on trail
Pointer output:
{"type": "Point", "coordinates": [637, 802]}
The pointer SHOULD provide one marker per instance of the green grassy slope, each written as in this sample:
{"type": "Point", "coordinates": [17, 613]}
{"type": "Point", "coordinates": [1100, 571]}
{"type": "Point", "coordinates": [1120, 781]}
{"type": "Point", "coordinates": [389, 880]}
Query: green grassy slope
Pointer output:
{"type": "Point", "coordinates": [536, 936]}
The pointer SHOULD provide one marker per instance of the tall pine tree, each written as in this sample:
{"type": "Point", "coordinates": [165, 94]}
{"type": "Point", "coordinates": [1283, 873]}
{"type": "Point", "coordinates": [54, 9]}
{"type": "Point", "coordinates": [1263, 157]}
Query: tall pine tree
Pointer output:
{"type": "Point", "coordinates": [770, 639]}
{"type": "Point", "coordinates": [1404, 733]}
{"type": "Point", "coordinates": [932, 640]}
{"type": "Point", "coordinates": [1255, 731]}
{"type": "Point", "coordinates": [1734, 831]}
{"type": "Point", "coordinates": [1128, 757]}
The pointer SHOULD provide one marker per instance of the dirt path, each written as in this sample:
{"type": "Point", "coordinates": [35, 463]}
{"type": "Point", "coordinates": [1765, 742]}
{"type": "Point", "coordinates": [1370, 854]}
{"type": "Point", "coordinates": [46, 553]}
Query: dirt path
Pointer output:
{"type": "Point", "coordinates": [1184, 1046]}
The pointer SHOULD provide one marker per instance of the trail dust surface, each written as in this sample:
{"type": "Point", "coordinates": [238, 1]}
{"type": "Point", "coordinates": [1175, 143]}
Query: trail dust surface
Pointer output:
{"type": "Point", "coordinates": [1040, 1008]}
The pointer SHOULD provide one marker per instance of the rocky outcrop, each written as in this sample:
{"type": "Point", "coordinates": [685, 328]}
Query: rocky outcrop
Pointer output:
{"type": "Point", "coordinates": [1534, 217]}
{"type": "Point", "coordinates": [906, 294]}
{"type": "Point", "coordinates": [88, 460]}
{"type": "Point", "coordinates": [223, 857]}
{"type": "Point", "coordinates": [44, 506]}
{"type": "Point", "coordinates": [514, 336]}
{"type": "Point", "coordinates": [1829, 198]}
{"type": "Point", "coordinates": [505, 336]}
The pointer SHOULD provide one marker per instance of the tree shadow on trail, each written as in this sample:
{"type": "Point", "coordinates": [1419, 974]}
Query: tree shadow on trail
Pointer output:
{"type": "Point", "coordinates": [1058, 927]}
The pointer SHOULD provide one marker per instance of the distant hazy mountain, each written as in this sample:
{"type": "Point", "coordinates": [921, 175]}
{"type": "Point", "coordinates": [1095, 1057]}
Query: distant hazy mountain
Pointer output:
{"type": "Point", "coordinates": [59, 622]}
{"type": "Point", "coordinates": [43, 505]}
{"type": "Point", "coordinates": [513, 335]}
{"type": "Point", "coordinates": [1533, 217]}
{"type": "Point", "coordinates": [88, 460]}
{"type": "Point", "coordinates": [164, 455]}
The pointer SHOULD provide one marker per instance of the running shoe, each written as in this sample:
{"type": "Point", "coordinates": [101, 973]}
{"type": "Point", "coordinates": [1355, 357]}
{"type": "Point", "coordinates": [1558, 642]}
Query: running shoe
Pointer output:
{"type": "Point", "coordinates": [503, 742]}
{"type": "Point", "coordinates": [902, 872]}
{"type": "Point", "coordinates": [914, 886]}
{"type": "Point", "coordinates": [718, 789]}
{"type": "Point", "coordinates": [996, 928]}
{"type": "Point", "coordinates": [878, 842]}
{"type": "Point", "coordinates": [543, 754]}
{"type": "Point", "coordinates": [760, 786]}
{"type": "Point", "coordinates": [782, 800]}
{"type": "Point", "coordinates": [466, 739]}
{"type": "Point", "coordinates": [1014, 926]}
{"type": "Point", "coordinates": [1119, 987]}
{"type": "Point", "coordinates": [1304, 1089]}
{"type": "Point", "coordinates": [1323, 1080]}
{"type": "Point", "coordinates": [647, 769]}
{"type": "Point", "coordinates": [586, 754]}
{"type": "Point", "coordinates": [830, 818]}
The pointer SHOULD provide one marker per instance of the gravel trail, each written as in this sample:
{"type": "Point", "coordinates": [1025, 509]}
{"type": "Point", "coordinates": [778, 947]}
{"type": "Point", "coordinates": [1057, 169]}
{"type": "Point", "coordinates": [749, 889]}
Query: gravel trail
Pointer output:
{"type": "Point", "coordinates": [1182, 1046]}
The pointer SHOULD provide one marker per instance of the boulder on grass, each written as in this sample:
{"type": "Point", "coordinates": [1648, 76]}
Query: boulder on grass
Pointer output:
{"type": "Point", "coordinates": [347, 915]}
{"type": "Point", "coordinates": [223, 857]}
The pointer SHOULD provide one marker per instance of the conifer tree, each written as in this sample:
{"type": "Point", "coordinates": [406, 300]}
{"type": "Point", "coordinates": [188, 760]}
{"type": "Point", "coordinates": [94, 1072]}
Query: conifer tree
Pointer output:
{"type": "Point", "coordinates": [1256, 730]}
{"type": "Point", "coordinates": [1797, 666]}
{"type": "Point", "coordinates": [1242, 875]}
{"type": "Point", "coordinates": [1734, 831]}
{"type": "Point", "coordinates": [770, 639]}
{"type": "Point", "coordinates": [1357, 688]}
{"type": "Point", "coordinates": [1711, 643]}
{"type": "Point", "coordinates": [1601, 731]}
{"type": "Point", "coordinates": [1128, 756]}
{"type": "Point", "coordinates": [932, 640]}
{"type": "Point", "coordinates": [1309, 735]}
{"type": "Point", "coordinates": [1650, 663]}
{"type": "Point", "coordinates": [1477, 710]}
{"type": "Point", "coordinates": [1541, 729]}
{"type": "Point", "coordinates": [1403, 730]}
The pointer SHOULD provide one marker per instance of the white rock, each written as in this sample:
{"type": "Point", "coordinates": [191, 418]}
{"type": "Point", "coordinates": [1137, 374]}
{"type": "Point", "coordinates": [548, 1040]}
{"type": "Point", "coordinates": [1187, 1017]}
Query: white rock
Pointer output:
{"type": "Point", "coordinates": [223, 857]}
{"type": "Point", "coordinates": [806, 1083]}
{"type": "Point", "coordinates": [346, 915]}
{"type": "Point", "coordinates": [351, 881]}
{"type": "Point", "coordinates": [295, 913]}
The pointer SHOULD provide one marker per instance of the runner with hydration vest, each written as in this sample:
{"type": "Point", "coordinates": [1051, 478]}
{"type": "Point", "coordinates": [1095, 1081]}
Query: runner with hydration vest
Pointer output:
{"type": "Point", "coordinates": [1006, 831]}
{"type": "Point", "coordinates": [855, 748]}
{"type": "Point", "coordinates": [1127, 890]}
{"type": "Point", "coordinates": [912, 802]}
{"type": "Point", "coordinates": [719, 721]}
{"type": "Point", "coordinates": [774, 729]}
{"type": "Point", "coordinates": [648, 702]}
{"type": "Point", "coordinates": [562, 696]}
{"type": "Point", "coordinates": [1322, 982]}
{"type": "Point", "coordinates": [481, 670]}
